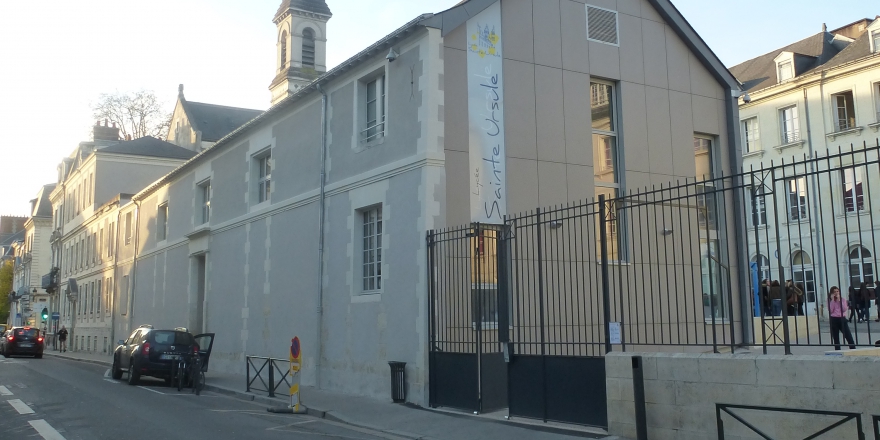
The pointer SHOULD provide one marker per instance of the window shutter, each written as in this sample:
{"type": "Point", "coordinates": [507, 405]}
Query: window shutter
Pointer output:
{"type": "Point", "coordinates": [601, 25]}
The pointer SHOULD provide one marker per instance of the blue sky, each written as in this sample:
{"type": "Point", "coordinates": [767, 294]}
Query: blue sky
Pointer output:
{"type": "Point", "coordinates": [57, 57]}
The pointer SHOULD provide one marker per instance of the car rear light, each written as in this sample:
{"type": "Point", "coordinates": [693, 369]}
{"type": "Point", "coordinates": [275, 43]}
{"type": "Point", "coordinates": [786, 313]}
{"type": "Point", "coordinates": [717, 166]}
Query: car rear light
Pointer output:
{"type": "Point", "coordinates": [40, 339]}
{"type": "Point", "coordinates": [195, 349]}
{"type": "Point", "coordinates": [10, 337]}
{"type": "Point", "coordinates": [146, 348]}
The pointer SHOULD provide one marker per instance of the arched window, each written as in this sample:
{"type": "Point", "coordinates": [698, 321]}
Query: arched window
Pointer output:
{"type": "Point", "coordinates": [802, 273]}
{"type": "Point", "coordinates": [283, 50]}
{"type": "Point", "coordinates": [762, 267]}
{"type": "Point", "coordinates": [861, 268]}
{"type": "Point", "coordinates": [308, 48]}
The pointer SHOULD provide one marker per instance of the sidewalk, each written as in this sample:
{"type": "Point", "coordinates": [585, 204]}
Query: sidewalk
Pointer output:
{"type": "Point", "coordinates": [408, 421]}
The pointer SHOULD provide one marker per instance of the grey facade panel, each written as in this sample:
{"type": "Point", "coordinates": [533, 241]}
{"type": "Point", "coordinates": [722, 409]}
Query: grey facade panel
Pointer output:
{"type": "Point", "coordinates": [180, 207]}
{"type": "Point", "coordinates": [230, 190]}
{"type": "Point", "coordinates": [297, 153]}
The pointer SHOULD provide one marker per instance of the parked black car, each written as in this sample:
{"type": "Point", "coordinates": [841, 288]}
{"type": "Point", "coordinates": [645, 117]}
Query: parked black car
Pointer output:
{"type": "Point", "coordinates": [22, 340]}
{"type": "Point", "coordinates": [150, 352]}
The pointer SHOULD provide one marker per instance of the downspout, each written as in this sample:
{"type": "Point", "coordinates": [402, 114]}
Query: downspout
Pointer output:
{"type": "Point", "coordinates": [113, 303]}
{"type": "Point", "coordinates": [815, 202]}
{"type": "Point", "coordinates": [731, 101]}
{"type": "Point", "coordinates": [320, 297]}
{"type": "Point", "coordinates": [137, 234]}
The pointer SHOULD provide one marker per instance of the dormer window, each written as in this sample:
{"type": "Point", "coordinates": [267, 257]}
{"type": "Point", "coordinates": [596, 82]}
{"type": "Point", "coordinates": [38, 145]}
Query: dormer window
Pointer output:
{"type": "Point", "coordinates": [875, 41]}
{"type": "Point", "coordinates": [786, 72]}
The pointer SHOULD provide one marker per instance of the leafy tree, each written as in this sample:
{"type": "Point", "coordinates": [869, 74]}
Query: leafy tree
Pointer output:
{"type": "Point", "coordinates": [5, 288]}
{"type": "Point", "coordinates": [137, 114]}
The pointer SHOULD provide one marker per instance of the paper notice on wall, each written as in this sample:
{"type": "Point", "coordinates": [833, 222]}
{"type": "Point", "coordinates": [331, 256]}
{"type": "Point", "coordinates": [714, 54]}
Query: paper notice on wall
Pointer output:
{"type": "Point", "coordinates": [487, 174]}
{"type": "Point", "coordinates": [614, 332]}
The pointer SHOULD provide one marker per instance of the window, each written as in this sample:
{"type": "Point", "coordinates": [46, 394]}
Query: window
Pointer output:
{"type": "Point", "coordinates": [861, 268]}
{"type": "Point", "coordinates": [93, 248]}
{"type": "Point", "coordinates": [372, 249]}
{"type": "Point", "coordinates": [802, 274]}
{"type": "Point", "coordinates": [789, 124]}
{"type": "Point", "coordinates": [875, 40]}
{"type": "Point", "coordinates": [853, 193]}
{"type": "Point", "coordinates": [127, 228]}
{"type": "Point", "coordinates": [703, 157]}
{"type": "Point", "coordinates": [162, 222]}
{"type": "Point", "coordinates": [123, 296]}
{"type": "Point", "coordinates": [877, 97]}
{"type": "Point", "coordinates": [797, 199]}
{"type": "Point", "coordinates": [107, 294]}
{"type": "Point", "coordinates": [375, 110]}
{"type": "Point", "coordinates": [484, 305]}
{"type": "Point", "coordinates": [751, 135]}
{"type": "Point", "coordinates": [112, 239]}
{"type": "Point", "coordinates": [264, 181]}
{"type": "Point", "coordinates": [759, 207]}
{"type": "Point", "coordinates": [844, 110]}
{"type": "Point", "coordinates": [92, 298]}
{"type": "Point", "coordinates": [205, 200]}
{"type": "Point", "coordinates": [98, 298]}
{"type": "Point", "coordinates": [100, 252]}
{"type": "Point", "coordinates": [606, 156]}
{"type": "Point", "coordinates": [308, 48]}
{"type": "Point", "coordinates": [785, 71]}
{"type": "Point", "coordinates": [602, 25]}
{"type": "Point", "coordinates": [283, 48]}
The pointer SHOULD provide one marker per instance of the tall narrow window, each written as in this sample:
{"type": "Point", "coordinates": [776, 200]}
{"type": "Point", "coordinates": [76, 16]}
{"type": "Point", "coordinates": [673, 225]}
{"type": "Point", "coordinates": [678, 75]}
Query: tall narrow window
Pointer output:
{"type": "Point", "coordinates": [704, 174]}
{"type": "Point", "coordinates": [802, 274]}
{"type": "Point", "coordinates": [128, 230]}
{"type": "Point", "coordinates": [877, 98]}
{"type": "Point", "coordinates": [205, 200]}
{"type": "Point", "coordinates": [759, 207]}
{"type": "Point", "coordinates": [98, 298]}
{"type": "Point", "coordinates": [762, 267]}
{"type": "Point", "coordinates": [861, 267]}
{"type": "Point", "coordinates": [875, 40]}
{"type": "Point", "coordinates": [785, 71]}
{"type": "Point", "coordinates": [797, 199]}
{"type": "Point", "coordinates": [751, 135]}
{"type": "Point", "coordinates": [375, 109]}
{"type": "Point", "coordinates": [308, 48]}
{"type": "Point", "coordinates": [100, 253]}
{"type": "Point", "coordinates": [162, 222]}
{"type": "Point", "coordinates": [264, 182]}
{"type": "Point", "coordinates": [853, 193]}
{"type": "Point", "coordinates": [283, 49]}
{"type": "Point", "coordinates": [606, 157]}
{"type": "Point", "coordinates": [123, 296]}
{"type": "Point", "coordinates": [371, 220]}
{"type": "Point", "coordinates": [844, 110]}
{"type": "Point", "coordinates": [112, 238]}
{"type": "Point", "coordinates": [789, 123]}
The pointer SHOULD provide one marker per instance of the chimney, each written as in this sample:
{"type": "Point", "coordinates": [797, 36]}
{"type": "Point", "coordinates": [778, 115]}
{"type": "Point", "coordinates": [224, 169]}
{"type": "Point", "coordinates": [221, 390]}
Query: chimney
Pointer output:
{"type": "Point", "coordinates": [180, 92]}
{"type": "Point", "coordinates": [104, 135]}
{"type": "Point", "coordinates": [824, 28]}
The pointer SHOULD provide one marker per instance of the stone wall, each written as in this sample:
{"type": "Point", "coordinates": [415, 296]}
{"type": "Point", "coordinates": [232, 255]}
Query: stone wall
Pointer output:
{"type": "Point", "coordinates": [681, 391]}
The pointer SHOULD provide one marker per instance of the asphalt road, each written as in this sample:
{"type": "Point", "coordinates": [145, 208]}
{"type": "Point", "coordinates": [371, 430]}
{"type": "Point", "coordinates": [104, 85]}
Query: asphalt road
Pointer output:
{"type": "Point", "coordinates": [57, 399]}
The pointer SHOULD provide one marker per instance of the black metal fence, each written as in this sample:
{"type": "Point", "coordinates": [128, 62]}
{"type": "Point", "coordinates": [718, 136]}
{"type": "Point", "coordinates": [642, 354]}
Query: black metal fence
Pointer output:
{"type": "Point", "coordinates": [836, 419]}
{"type": "Point", "coordinates": [267, 375]}
{"type": "Point", "coordinates": [516, 307]}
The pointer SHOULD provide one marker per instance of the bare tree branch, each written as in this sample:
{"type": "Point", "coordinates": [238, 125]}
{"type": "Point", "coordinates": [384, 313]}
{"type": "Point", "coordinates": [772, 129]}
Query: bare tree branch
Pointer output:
{"type": "Point", "coordinates": [137, 114]}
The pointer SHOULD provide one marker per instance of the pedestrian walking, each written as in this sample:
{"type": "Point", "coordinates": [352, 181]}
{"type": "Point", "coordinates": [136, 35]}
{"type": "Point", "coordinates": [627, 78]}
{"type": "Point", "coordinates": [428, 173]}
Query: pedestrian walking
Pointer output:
{"type": "Point", "coordinates": [864, 302]}
{"type": "Point", "coordinates": [775, 298]}
{"type": "Point", "coordinates": [62, 337]}
{"type": "Point", "coordinates": [793, 294]}
{"type": "Point", "coordinates": [801, 298]}
{"type": "Point", "coordinates": [852, 301]}
{"type": "Point", "coordinates": [837, 308]}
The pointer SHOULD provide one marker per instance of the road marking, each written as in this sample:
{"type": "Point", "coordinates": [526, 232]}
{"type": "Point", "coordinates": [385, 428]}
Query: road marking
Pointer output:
{"type": "Point", "coordinates": [20, 406]}
{"type": "Point", "coordinates": [157, 392]}
{"type": "Point", "coordinates": [111, 381]}
{"type": "Point", "coordinates": [5, 391]}
{"type": "Point", "coordinates": [107, 373]}
{"type": "Point", "coordinates": [278, 428]}
{"type": "Point", "coordinates": [45, 430]}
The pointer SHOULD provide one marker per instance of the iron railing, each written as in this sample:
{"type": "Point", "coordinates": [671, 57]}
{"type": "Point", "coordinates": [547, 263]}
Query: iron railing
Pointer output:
{"type": "Point", "coordinates": [722, 408]}
{"type": "Point", "coordinates": [269, 373]}
{"type": "Point", "coordinates": [876, 421]}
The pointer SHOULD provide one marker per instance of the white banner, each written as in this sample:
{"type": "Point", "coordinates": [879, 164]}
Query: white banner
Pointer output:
{"type": "Point", "coordinates": [486, 117]}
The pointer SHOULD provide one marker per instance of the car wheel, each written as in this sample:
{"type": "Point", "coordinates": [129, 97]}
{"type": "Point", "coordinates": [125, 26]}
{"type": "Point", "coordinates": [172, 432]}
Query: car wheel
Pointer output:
{"type": "Point", "coordinates": [5, 353]}
{"type": "Point", "coordinates": [133, 375]}
{"type": "Point", "coordinates": [115, 371]}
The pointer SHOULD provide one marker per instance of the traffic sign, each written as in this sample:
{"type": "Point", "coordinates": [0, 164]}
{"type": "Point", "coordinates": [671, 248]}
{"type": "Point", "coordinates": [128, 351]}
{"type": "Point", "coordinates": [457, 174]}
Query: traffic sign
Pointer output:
{"type": "Point", "coordinates": [56, 316]}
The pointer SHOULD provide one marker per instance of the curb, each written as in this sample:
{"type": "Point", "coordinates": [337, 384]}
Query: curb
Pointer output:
{"type": "Point", "coordinates": [71, 358]}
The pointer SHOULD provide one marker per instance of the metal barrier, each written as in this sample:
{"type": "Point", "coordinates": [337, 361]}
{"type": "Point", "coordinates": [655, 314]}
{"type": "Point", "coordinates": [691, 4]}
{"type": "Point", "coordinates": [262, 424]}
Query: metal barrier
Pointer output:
{"type": "Point", "coordinates": [876, 420]}
{"type": "Point", "coordinates": [267, 370]}
{"type": "Point", "coordinates": [847, 416]}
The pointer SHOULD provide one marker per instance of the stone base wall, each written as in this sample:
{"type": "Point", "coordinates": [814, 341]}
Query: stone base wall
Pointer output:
{"type": "Point", "coordinates": [681, 391]}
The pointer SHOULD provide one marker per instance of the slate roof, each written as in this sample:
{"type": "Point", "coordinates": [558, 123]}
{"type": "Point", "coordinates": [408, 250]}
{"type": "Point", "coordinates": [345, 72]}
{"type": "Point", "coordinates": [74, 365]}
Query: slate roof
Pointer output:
{"type": "Point", "coordinates": [151, 147]}
{"type": "Point", "coordinates": [216, 121]}
{"type": "Point", "coordinates": [760, 73]}
{"type": "Point", "coordinates": [858, 49]}
{"type": "Point", "coordinates": [316, 6]}
{"type": "Point", "coordinates": [44, 205]}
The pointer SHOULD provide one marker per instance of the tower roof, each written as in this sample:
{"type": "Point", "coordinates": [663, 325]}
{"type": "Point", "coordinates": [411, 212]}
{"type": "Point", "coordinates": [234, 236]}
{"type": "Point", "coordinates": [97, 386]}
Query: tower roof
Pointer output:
{"type": "Point", "coordinates": [315, 6]}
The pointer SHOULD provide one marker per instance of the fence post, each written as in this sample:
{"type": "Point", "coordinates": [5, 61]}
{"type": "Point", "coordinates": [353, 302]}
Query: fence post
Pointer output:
{"type": "Point", "coordinates": [503, 286]}
{"type": "Point", "coordinates": [606, 291]}
{"type": "Point", "coordinates": [785, 336]}
{"type": "Point", "coordinates": [432, 393]}
{"type": "Point", "coordinates": [639, 397]}
{"type": "Point", "coordinates": [271, 378]}
{"type": "Point", "coordinates": [247, 364]}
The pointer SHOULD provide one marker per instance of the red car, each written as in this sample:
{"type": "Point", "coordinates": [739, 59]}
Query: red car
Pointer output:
{"type": "Point", "coordinates": [22, 340]}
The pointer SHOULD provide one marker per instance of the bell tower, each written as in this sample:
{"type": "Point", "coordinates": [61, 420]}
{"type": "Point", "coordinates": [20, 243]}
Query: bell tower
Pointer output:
{"type": "Point", "coordinates": [301, 45]}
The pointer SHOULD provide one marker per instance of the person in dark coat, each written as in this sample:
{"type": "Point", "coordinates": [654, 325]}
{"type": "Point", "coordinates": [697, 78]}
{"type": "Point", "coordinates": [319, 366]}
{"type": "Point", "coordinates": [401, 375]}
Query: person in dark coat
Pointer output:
{"type": "Point", "coordinates": [775, 298]}
{"type": "Point", "coordinates": [801, 298]}
{"type": "Point", "coordinates": [852, 303]}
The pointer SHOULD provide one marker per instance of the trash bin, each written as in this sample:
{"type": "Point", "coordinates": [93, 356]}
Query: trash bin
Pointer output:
{"type": "Point", "coordinates": [398, 381]}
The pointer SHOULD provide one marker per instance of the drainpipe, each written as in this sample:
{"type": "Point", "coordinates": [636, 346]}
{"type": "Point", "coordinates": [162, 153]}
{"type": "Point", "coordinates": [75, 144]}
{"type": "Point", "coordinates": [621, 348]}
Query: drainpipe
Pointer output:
{"type": "Point", "coordinates": [814, 185]}
{"type": "Point", "coordinates": [137, 234]}
{"type": "Point", "coordinates": [112, 288]}
{"type": "Point", "coordinates": [320, 296]}
{"type": "Point", "coordinates": [731, 102]}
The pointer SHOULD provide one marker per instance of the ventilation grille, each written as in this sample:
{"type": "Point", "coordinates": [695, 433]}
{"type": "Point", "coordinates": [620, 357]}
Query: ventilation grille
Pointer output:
{"type": "Point", "coordinates": [601, 25]}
